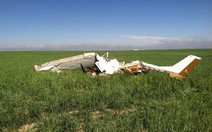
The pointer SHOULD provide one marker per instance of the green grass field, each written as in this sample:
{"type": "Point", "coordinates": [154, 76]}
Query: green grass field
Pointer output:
{"type": "Point", "coordinates": [73, 101]}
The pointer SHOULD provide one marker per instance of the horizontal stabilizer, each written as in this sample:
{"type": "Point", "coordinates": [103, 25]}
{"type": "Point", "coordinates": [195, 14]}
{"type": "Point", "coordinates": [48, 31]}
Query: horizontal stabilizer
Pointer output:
{"type": "Point", "coordinates": [180, 69]}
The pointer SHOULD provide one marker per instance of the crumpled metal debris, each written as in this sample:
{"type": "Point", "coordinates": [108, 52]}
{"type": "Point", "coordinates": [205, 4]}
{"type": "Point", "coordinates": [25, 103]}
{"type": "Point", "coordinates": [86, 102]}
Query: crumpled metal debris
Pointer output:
{"type": "Point", "coordinates": [103, 66]}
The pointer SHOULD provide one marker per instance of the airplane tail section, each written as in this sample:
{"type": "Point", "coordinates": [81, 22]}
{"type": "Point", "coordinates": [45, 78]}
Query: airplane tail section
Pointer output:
{"type": "Point", "coordinates": [185, 66]}
{"type": "Point", "coordinates": [180, 69]}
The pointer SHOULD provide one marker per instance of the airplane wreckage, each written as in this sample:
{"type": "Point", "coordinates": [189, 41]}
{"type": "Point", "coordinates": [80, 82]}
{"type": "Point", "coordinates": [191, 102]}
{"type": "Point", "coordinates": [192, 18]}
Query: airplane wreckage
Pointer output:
{"type": "Point", "coordinates": [103, 66]}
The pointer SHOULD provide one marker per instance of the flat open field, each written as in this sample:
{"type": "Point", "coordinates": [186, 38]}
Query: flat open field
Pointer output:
{"type": "Point", "coordinates": [73, 101]}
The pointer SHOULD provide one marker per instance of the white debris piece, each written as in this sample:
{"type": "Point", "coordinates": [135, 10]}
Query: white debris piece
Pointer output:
{"type": "Point", "coordinates": [107, 67]}
{"type": "Point", "coordinates": [86, 59]}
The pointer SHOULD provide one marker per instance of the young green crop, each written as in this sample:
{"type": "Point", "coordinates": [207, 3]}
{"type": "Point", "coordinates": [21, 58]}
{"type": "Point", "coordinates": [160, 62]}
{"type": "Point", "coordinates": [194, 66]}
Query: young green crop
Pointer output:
{"type": "Point", "coordinates": [73, 101]}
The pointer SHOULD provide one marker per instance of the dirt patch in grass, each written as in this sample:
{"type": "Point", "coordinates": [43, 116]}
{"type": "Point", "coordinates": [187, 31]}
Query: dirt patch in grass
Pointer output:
{"type": "Point", "coordinates": [30, 127]}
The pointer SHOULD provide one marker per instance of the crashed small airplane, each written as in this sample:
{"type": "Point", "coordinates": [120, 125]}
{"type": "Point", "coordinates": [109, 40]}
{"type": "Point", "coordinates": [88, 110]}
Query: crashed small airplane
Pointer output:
{"type": "Point", "coordinates": [103, 66]}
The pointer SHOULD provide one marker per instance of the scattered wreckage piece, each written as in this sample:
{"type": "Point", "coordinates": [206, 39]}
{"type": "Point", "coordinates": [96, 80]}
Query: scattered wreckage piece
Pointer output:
{"type": "Point", "coordinates": [103, 66]}
{"type": "Point", "coordinates": [180, 69]}
{"type": "Point", "coordinates": [134, 68]}
{"type": "Point", "coordinates": [69, 63]}
{"type": "Point", "coordinates": [88, 62]}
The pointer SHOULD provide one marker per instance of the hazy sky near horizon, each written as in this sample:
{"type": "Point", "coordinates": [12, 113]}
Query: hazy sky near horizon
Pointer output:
{"type": "Point", "coordinates": [37, 24]}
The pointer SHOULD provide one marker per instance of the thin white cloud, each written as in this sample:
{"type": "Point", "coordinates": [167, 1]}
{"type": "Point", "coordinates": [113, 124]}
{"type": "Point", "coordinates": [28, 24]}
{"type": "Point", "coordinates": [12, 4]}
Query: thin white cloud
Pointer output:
{"type": "Point", "coordinates": [151, 39]}
{"type": "Point", "coordinates": [158, 42]}
{"type": "Point", "coordinates": [145, 39]}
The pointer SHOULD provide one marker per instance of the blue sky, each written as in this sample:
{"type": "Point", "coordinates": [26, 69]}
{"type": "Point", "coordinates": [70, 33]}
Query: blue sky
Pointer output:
{"type": "Point", "coordinates": [144, 24]}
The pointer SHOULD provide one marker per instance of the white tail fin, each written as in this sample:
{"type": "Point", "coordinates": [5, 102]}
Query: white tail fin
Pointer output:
{"type": "Point", "coordinates": [185, 66]}
{"type": "Point", "coordinates": [179, 70]}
